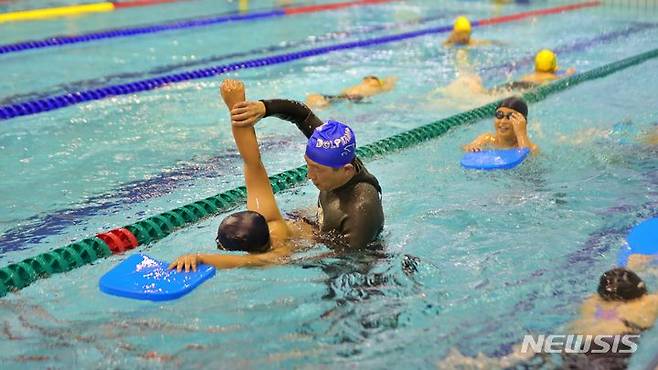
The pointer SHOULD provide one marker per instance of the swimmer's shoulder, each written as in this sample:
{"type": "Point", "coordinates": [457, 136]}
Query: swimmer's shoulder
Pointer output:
{"type": "Point", "coordinates": [279, 230]}
{"type": "Point", "coordinates": [539, 77]}
{"type": "Point", "coordinates": [301, 229]}
{"type": "Point", "coordinates": [364, 192]}
{"type": "Point", "coordinates": [641, 312]}
{"type": "Point", "coordinates": [589, 306]}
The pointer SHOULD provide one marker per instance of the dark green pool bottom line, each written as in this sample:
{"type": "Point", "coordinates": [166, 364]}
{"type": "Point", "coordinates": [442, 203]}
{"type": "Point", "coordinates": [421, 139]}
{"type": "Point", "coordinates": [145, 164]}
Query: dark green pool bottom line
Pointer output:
{"type": "Point", "coordinates": [21, 274]}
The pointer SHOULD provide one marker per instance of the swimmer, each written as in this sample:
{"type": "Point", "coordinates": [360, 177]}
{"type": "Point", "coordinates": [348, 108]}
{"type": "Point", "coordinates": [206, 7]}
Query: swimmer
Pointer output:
{"type": "Point", "coordinates": [461, 35]}
{"type": "Point", "coordinates": [622, 305]}
{"type": "Point", "coordinates": [369, 86]}
{"type": "Point", "coordinates": [510, 124]}
{"type": "Point", "coordinates": [469, 88]}
{"type": "Point", "coordinates": [350, 201]}
{"type": "Point", "coordinates": [546, 70]}
{"type": "Point", "coordinates": [261, 231]}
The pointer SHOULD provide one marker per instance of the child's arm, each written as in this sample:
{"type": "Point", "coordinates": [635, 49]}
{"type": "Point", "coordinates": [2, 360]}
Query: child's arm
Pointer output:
{"type": "Point", "coordinates": [479, 143]}
{"type": "Point", "coordinates": [260, 197]}
{"type": "Point", "coordinates": [222, 261]}
{"type": "Point", "coordinates": [520, 129]}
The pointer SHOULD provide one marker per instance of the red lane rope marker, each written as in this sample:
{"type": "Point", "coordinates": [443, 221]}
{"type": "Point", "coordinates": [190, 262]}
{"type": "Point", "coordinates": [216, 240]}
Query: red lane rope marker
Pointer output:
{"type": "Point", "coordinates": [515, 17]}
{"type": "Point", "coordinates": [324, 7]}
{"type": "Point", "coordinates": [119, 240]}
{"type": "Point", "coordinates": [136, 3]}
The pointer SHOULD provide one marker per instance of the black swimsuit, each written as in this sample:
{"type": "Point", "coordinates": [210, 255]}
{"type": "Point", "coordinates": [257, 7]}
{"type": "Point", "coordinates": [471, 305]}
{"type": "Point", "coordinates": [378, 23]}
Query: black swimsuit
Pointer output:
{"type": "Point", "coordinates": [352, 213]}
{"type": "Point", "coordinates": [515, 85]}
{"type": "Point", "coordinates": [343, 97]}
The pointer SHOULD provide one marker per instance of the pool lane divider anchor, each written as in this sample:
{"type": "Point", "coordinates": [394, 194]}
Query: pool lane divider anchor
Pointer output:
{"type": "Point", "coordinates": [62, 101]}
{"type": "Point", "coordinates": [21, 274]}
{"type": "Point", "coordinates": [174, 25]}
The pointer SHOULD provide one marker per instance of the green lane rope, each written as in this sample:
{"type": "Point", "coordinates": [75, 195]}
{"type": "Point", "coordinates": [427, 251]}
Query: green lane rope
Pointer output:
{"type": "Point", "coordinates": [21, 274]}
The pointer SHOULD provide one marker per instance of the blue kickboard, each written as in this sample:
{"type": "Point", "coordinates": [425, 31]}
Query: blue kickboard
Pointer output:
{"type": "Point", "coordinates": [142, 277]}
{"type": "Point", "coordinates": [642, 239]}
{"type": "Point", "coordinates": [494, 159]}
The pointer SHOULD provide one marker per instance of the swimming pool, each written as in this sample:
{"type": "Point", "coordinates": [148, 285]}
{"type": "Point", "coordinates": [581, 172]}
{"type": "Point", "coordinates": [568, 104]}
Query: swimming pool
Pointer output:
{"type": "Point", "coordinates": [450, 275]}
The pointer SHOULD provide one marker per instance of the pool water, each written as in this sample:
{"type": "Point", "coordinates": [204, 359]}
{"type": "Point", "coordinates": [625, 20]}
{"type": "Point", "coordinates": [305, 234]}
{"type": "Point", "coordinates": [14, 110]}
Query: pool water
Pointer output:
{"type": "Point", "coordinates": [473, 260]}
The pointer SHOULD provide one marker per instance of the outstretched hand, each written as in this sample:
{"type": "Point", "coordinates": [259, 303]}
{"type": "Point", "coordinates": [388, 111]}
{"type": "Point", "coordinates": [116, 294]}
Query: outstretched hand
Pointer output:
{"type": "Point", "coordinates": [187, 262]}
{"type": "Point", "coordinates": [472, 148]}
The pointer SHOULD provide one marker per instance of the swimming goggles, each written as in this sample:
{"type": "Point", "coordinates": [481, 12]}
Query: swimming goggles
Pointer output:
{"type": "Point", "coordinates": [500, 114]}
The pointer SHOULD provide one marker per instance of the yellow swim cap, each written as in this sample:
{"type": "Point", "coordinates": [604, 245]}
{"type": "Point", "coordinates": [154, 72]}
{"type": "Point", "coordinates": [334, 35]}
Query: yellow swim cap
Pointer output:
{"type": "Point", "coordinates": [546, 61]}
{"type": "Point", "coordinates": [462, 24]}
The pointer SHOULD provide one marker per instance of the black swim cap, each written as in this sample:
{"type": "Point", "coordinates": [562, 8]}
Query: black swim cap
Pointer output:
{"type": "Point", "coordinates": [621, 284]}
{"type": "Point", "coordinates": [244, 231]}
{"type": "Point", "coordinates": [515, 103]}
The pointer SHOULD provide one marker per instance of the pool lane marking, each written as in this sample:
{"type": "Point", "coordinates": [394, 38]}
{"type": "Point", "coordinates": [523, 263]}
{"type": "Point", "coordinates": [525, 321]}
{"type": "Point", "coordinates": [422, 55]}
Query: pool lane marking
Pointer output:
{"type": "Point", "coordinates": [141, 3]}
{"type": "Point", "coordinates": [58, 41]}
{"type": "Point", "coordinates": [18, 275]}
{"type": "Point", "coordinates": [77, 97]}
{"type": "Point", "coordinates": [47, 13]}
{"type": "Point", "coordinates": [157, 71]}
{"type": "Point", "coordinates": [75, 10]}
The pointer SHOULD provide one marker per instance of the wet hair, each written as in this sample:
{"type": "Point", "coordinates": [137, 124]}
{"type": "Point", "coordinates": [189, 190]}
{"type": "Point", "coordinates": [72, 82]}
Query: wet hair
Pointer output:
{"type": "Point", "coordinates": [244, 231]}
{"type": "Point", "coordinates": [515, 103]}
{"type": "Point", "coordinates": [621, 284]}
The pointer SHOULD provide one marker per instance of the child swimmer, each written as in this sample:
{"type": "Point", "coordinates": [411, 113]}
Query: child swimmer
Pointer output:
{"type": "Point", "coordinates": [369, 86]}
{"type": "Point", "coordinates": [461, 35]}
{"type": "Point", "coordinates": [261, 231]}
{"type": "Point", "coordinates": [510, 124]}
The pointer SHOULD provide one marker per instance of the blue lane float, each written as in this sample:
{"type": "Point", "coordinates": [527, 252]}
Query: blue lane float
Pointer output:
{"type": "Point", "coordinates": [145, 278]}
{"type": "Point", "coordinates": [488, 160]}
{"type": "Point", "coordinates": [642, 239]}
{"type": "Point", "coordinates": [133, 31]}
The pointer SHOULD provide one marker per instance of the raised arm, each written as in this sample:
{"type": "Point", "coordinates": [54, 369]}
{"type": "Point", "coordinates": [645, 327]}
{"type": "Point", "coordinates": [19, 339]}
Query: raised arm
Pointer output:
{"type": "Point", "coordinates": [520, 129]}
{"type": "Point", "coordinates": [260, 197]}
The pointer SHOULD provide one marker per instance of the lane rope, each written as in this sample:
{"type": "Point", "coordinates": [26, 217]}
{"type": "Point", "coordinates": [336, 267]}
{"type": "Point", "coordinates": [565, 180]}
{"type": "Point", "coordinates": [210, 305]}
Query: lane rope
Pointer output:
{"type": "Point", "coordinates": [61, 101]}
{"type": "Point", "coordinates": [58, 41]}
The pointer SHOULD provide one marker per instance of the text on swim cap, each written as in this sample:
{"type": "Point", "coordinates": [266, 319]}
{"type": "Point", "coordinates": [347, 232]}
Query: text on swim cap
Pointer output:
{"type": "Point", "coordinates": [336, 143]}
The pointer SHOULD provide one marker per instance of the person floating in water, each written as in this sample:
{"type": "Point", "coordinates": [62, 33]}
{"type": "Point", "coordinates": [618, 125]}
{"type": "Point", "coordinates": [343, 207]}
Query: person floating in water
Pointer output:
{"type": "Point", "coordinates": [468, 85]}
{"type": "Point", "coordinates": [621, 306]}
{"type": "Point", "coordinates": [461, 35]}
{"type": "Point", "coordinates": [546, 70]}
{"type": "Point", "coordinates": [510, 124]}
{"type": "Point", "coordinates": [261, 231]}
{"type": "Point", "coordinates": [369, 86]}
{"type": "Point", "coordinates": [349, 204]}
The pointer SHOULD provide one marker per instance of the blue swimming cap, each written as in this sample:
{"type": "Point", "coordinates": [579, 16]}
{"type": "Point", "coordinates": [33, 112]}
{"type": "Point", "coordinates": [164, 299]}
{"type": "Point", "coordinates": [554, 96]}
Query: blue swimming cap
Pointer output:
{"type": "Point", "coordinates": [332, 144]}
